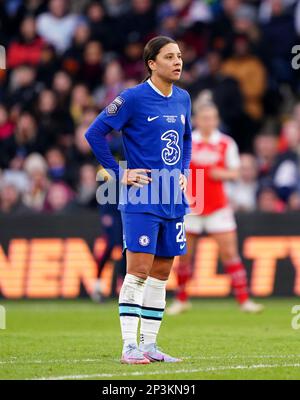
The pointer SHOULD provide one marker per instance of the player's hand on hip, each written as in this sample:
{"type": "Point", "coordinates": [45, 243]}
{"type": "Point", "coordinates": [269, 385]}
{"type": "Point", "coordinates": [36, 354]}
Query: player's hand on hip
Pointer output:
{"type": "Point", "coordinates": [136, 177]}
{"type": "Point", "coordinates": [183, 182]}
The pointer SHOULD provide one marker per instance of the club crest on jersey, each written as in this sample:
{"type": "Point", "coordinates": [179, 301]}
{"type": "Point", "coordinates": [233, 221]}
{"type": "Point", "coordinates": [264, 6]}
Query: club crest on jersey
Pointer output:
{"type": "Point", "coordinates": [144, 240]}
{"type": "Point", "coordinates": [114, 106]}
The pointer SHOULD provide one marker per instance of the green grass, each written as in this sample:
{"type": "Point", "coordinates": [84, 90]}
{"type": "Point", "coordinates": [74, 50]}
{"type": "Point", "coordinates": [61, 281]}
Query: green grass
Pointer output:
{"type": "Point", "coordinates": [55, 339]}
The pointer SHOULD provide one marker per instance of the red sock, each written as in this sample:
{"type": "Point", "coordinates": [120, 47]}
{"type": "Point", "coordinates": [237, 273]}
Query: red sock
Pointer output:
{"type": "Point", "coordinates": [237, 271]}
{"type": "Point", "coordinates": [183, 275]}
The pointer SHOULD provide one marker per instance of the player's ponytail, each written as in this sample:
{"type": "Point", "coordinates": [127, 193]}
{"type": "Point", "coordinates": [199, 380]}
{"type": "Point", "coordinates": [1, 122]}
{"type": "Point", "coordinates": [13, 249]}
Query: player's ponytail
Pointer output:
{"type": "Point", "coordinates": [151, 50]}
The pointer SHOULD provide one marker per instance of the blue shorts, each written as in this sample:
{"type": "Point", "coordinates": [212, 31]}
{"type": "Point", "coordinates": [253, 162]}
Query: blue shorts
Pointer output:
{"type": "Point", "coordinates": [149, 233]}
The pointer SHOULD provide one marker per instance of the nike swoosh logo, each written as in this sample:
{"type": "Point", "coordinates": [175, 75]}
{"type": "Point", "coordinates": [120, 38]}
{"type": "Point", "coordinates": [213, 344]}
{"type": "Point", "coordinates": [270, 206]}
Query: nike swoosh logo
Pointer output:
{"type": "Point", "coordinates": [182, 246]}
{"type": "Point", "coordinates": [152, 118]}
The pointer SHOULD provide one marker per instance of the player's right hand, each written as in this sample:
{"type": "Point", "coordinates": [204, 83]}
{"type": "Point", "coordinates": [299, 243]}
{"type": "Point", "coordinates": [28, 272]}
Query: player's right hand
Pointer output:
{"type": "Point", "coordinates": [136, 177]}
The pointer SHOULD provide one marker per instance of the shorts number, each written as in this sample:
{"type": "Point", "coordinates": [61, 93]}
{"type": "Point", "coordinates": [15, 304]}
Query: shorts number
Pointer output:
{"type": "Point", "coordinates": [181, 234]}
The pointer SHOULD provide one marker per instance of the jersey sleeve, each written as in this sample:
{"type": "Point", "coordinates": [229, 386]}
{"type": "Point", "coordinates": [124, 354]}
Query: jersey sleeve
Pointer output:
{"type": "Point", "coordinates": [119, 111]}
{"type": "Point", "coordinates": [95, 135]}
{"type": "Point", "coordinates": [187, 139]}
{"type": "Point", "coordinates": [232, 157]}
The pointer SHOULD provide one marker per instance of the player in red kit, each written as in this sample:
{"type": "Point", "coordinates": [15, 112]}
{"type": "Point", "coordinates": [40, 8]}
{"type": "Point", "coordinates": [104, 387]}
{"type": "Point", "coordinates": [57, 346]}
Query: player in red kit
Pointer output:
{"type": "Point", "coordinates": [217, 155]}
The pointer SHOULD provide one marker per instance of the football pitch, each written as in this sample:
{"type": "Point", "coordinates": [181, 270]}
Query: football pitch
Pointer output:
{"type": "Point", "coordinates": [69, 339]}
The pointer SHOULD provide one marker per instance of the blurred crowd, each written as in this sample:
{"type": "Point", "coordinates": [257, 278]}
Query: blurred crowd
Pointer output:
{"type": "Point", "coordinates": [66, 60]}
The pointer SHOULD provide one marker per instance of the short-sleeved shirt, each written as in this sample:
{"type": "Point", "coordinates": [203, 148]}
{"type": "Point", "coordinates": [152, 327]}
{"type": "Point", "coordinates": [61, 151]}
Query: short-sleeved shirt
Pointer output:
{"type": "Point", "coordinates": [220, 151]}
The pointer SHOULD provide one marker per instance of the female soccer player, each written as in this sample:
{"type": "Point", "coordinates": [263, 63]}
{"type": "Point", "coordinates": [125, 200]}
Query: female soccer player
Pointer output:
{"type": "Point", "coordinates": [154, 118]}
{"type": "Point", "coordinates": [217, 154]}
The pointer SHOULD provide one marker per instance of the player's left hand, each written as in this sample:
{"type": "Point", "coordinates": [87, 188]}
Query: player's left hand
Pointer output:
{"type": "Point", "coordinates": [183, 182]}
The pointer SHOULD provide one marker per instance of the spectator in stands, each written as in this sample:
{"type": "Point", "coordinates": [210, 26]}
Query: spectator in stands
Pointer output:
{"type": "Point", "coordinates": [116, 8]}
{"type": "Point", "coordinates": [16, 177]}
{"type": "Point", "coordinates": [91, 70]}
{"type": "Point", "coordinates": [290, 136]}
{"type": "Point", "coordinates": [80, 100]}
{"type": "Point", "coordinates": [193, 65]}
{"type": "Point", "coordinates": [88, 115]}
{"type": "Point", "coordinates": [245, 22]}
{"type": "Point", "coordinates": [192, 12]}
{"type": "Point", "coordinates": [62, 86]}
{"type": "Point", "coordinates": [58, 170]}
{"type": "Point", "coordinates": [266, 150]}
{"type": "Point", "coordinates": [250, 72]}
{"type": "Point", "coordinates": [294, 201]}
{"type": "Point", "coordinates": [52, 122]}
{"type": "Point", "coordinates": [36, 168]}
{"type": "Point", "coordinates": [80, 153]}
{"type": "Point", "coordinates": [11, 200]}
{"type": "Point", "coordinates": [19, 9]}
{"type": "Point", "coordinates": [59, 199]}
{"type": "Point", "coordinates": [87, 186]}
{"type": "Point", "coordinates": [73, 56]}
{"type": "Point", "coordinates": [242, 193]}
{"type": "Point", "coordinates": [27, 48]}
{"type": "Point", "coordinates": [286, 174]}
{"type": "Point", "coordinates": [168, 22]}
{"type": "Point", "coordinates": [57, 26]}
{"type": "Point", "coordinates": [24, 141]}
{"type": "Point", "coordinates": [266, 8]}
{"type": "Point", "coordinates": [278, 26]}
{"type": "Point", "coordinates": [6, 126]}
{"type": "Point", "coordinates": [222, 27]}
{"type": "Point", "coordinates": [22, 87]}
{"type": "Point", "coordinates": [132, 60]}
{"type": "Point", "coordinates": [268, 200]}
{"type": "Point", "coordinates": [188, 12]}
{"type": "Point", "coordinates": [112, 85]}
{"type": "Point", "coordinates": [102, 25]}
{"type": "Point", "coordinates": [226, 94]}
{"type": "Point", "coordinates": [140, 19]}
{"type": "Point", "coordinates": [48, 66]}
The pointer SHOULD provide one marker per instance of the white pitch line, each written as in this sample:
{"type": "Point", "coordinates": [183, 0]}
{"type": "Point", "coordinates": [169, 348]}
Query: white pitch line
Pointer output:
{"type": "Point", "coordinates": [51, 361]}
{"type": "Point", "coordinates": [100, 360]}
{"type": "Point", "coordinates": [166, 372]}
{"type": "Point", "coordinates": [236, 356]}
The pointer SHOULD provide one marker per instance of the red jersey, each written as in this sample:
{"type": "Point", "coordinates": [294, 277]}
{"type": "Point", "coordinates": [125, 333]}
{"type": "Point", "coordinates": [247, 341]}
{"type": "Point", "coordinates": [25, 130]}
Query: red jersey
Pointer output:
{"type": "Point", "coordinates": [220, 151]}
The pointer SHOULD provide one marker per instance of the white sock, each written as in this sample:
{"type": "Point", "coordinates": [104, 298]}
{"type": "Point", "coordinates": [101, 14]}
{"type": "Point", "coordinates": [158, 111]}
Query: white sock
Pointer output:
{"type": "Point", "coordinates": [154, 302]}
{"type": "Point", "coordinates": [130, 301]}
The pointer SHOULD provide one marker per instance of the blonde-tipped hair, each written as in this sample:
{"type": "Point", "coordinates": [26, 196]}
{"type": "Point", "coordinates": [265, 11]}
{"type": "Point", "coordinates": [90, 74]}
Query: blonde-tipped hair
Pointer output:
{"type": "Point", "coordinates": [204, 100]}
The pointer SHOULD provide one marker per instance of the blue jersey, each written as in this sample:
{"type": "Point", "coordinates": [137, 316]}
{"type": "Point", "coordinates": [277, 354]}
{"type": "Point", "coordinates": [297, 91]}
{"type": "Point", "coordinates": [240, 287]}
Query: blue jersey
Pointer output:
{"type": "Point", "coordinates": [156, 135]}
